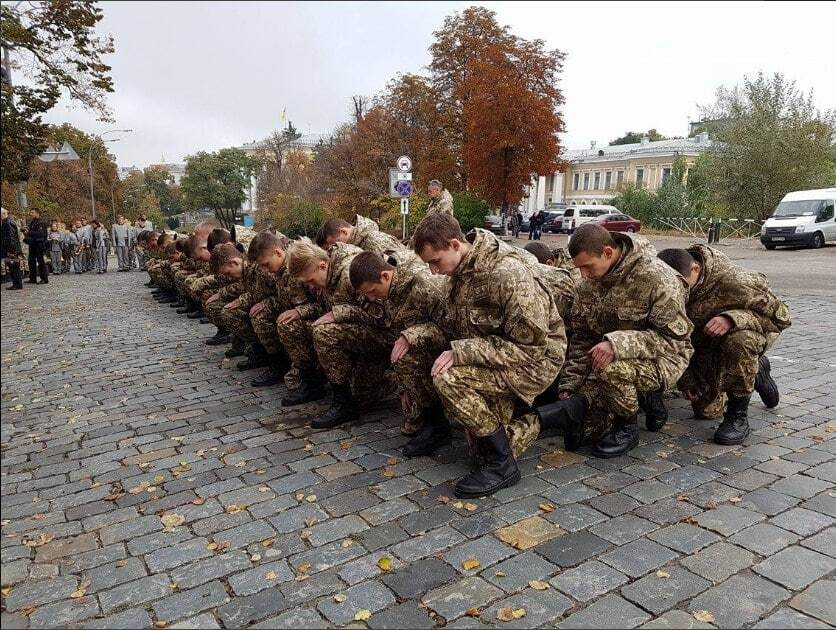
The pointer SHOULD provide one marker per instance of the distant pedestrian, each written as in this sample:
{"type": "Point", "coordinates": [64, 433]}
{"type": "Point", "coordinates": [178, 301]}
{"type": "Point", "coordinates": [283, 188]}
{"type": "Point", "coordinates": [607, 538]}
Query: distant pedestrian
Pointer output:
{"type": "Point", "coordinates": [100, 238]}
{"type": "Point", "coordinates": [122, 233]}
{"type": "Point", "coordinates": [441, 201]}
{"type": "Point", "coordinates": [518, 221]}
{"type": "Point", "coordinates": [10, 250]}
{"type": "Point", "coordinates": [55, 248]}
{"type": "Point", "coordinates": [35, 236]}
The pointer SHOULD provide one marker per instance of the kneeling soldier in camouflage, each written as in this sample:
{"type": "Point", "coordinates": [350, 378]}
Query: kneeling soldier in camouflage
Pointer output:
{"type": "Point", "coordinates": [736, 319]}
{"type": "Point", "coordinates": [364, 234]}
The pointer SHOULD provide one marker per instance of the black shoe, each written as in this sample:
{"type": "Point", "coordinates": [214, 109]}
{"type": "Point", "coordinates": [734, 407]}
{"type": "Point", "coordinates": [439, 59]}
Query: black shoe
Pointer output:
{"type": "Point", "coordinates": [311, 388]}
{"type": "Point", "coordinates": [14, 288]}
{"type": "Point", "coordinates": [205, 320]}
{"type": "Point", "coordinates": [150, 284]}
{"type": "Point", "coordinates": [434, 434]}
{"type": "Point", "coordinates": [498, 471]}
{"type": "Point", "coordinates": [238, 349]}
{"type": "Point", "coordinates": [31, 281]}
{"type": "Point", "coordinates": [166, 299]}
{"type": "Point", "coordinates": [623, 437]}
{"type": "Point", "coordinates": [655, 412]}
{"type": "Point", "coordinates": [735, 426]}
{"type": "Point", "coordinates": [343, 409]}
{"type": "Point", "coordinates": [566, 416]}
{"type": "Point", "coordinates": [765, 385]}
{"type": "Point", "coordinates": [256, 358]}
{"type": "Point", "coordinates": [44, 281]}
{"type": "Point", "coordinates": [198, 314]}
{"type": "Point", "coordinates": [220, 338]}
{"type": "Point", "coordinates": [277, 367]}
{"type": "Point", "coordinates": [178, 303]}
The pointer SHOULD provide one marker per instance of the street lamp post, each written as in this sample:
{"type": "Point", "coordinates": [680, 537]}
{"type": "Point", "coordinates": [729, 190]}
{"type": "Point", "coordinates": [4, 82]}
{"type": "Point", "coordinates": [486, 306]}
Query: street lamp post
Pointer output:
{"type": "Point", "coordinates": [90, 162]}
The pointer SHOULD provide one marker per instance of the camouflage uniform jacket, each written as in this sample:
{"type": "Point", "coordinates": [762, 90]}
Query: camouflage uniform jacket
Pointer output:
{"type": "Point", "coordinates": [563, 288]}
{"type": "Point", "coordinates": [339, 295]}
{"type": "Point", "coordinates": [563, 260]}
{"type": "Point", "coordinates": [258, 285]}
{"type": "Point", "coordinates": [288, 292]}
{"type": "Point", "coordinates": [237, 288]}
{"type": "Point", "coordinates": [639, 307]}
{"type": "Point", "coordinates": [443, 204]}
{"type": "Point", "coordinates": [367, 236]}
{"type": "Point", "coordinates": [500, 315]}
{"type": "Point", "coordinates": [415, 301]}
{"type": "Point", "coordinates": [741, 295]}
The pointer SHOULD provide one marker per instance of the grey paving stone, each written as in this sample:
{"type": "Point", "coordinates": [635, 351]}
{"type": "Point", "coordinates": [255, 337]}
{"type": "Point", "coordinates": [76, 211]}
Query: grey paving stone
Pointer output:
{"type": "Point", "coordinates": [638, 557]}
{"type": "Point", "coordinates": [206, 620]}
{"type": "Point", "coordinates": [683, 537]}
{"type": "Point", "coordinates": [517, 571]}
{"type": "Point", "coordinates": [66, 547]}
{"type": "Point", "coordinates": [382, 536]}
{"type": "Point", "coordinates": [425, 520]}
{"type": "Point", "coordinates": [609, 612]}
{"type": "Point", "coordinates": [135, 593]}
{"type": "Point", "coordinates": [658, 594]}
{"type": "Point", "coordinates": [541, 607]}
{"type": "Point", "coordinates": [297, 593]}
{"type": "Point", "coordinates": [802, 521]}
{"type": "Point", "coordinates": [152, 542]}
{"type": "Point", "coordinates": [589, 580]}
{"type": "Point", "coordinates": [572, 549]}
{"type": "Point", "coordinates": [371, 596]}
{"type": "Point", "coordinates": [730, 610]}
{"type": "Point", "coordinates": [749, 479]}
{"type": "Point", "coordinates": [327, 556]}
{"type": "Point", "coordinates": [132, 529]}
{"type": "Point", "coordinates": [454, 600]}
{"type": "Point", "coordinates": [62, 614]}
{"type": "Point", "coordinates": [818, 600]}
{"type": "Point", "coordinates": [823, 542]}
{"type": "Point", "coordinates": [764, 538]}
{"type": "Point", "coordinates": [203, 571]}
{"type": "Point", "coordinates": [823, 503]}
{"type": "Point", "coordinates": [110, 575]}
{"type": "Point", "coordinates": [242, 611]}
{"type": "Point", "coordinates": [181, 553]}
{"type": "Point", "coordinates": [388, 511]}
{"type": "Point", "coordinates": [427, 544]}
{"type": "Point", "coordinates": [614, 504]}
{"type": "Point", "coordinates": [16, 571]}
{"type": "Point", "coordinates": [667, 511]}
{"type": "Point", "coordinates": [687, 477]}
{"type": "Point", "coordinates": [727, 519]}
{"type": "Point", "coordinates": [801, 486]}
{"type": "Point", "coordinates": [335, 529]}
{"type": "Point", "coordinates": [365, 568]}
{"type": "Point", "coordinates": [719, 561]}
{"type": "Point", "coordinates": [35, 594]}
{"type": "Point", "coordinates": [789, 618]}
{"type": "Point", "coordinates": [488, 550]}
{"type": "Point", "coordinates": [575, 517]}
{"type": "Point", "coordinates": [191, 602]}
{"type": "Point", "coordinates": [292, 619]}
{"type": "Point", "coordinates": [767, 501]}
{"type": "Point", "coordinates": [623, 529]}
{"type": "Point", "coordinates": [245, 534]}
{"type": "Point", "coordinates": [126, 620]}
{"type": "Point", "coordinates": [649, 491]}
{"type": "Point", "coordinates": [418, 578]}
{"type": "Point", "coordinates": [349, 502]}
{"type": "Point", "coordinates": [477, 525]}
{"type": "Point", "coordinates": [405, 615]}
{"type": "Point", "coordinates": [256, 579]}
{"type": "Point", "coordinates": [676, 620]}
{"type": "Point", "coordinates": [796, 567]}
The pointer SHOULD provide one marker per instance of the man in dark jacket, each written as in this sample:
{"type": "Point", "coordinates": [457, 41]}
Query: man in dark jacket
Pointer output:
{"type": "Point", "coordinates": [10, 250]}
{"type": "Point", "coordinates": [36, 237]}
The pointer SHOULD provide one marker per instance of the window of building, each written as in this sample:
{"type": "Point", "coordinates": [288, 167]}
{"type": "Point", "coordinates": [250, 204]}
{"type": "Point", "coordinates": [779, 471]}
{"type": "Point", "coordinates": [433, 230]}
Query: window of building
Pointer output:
{"type": "Point", "coordinates": [639, 177]}
{"type": "Point", "coordinates": [608, 180]}
{"type": "Point", "coordinates": [597, 181]}
{"type": "Point", "coordinates": [586, 181]}
{"type": "Point", "coordinates": [666, 173]}
{"type": "Point", "coordinates": [619, 178]}
{"type": "Point", "coordinates": [576, 181]}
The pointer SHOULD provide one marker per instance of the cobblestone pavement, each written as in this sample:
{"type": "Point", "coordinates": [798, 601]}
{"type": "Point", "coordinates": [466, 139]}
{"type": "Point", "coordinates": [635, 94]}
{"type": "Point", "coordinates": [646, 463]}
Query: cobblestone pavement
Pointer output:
{"type": "Point", "coordinates": [144, 482]}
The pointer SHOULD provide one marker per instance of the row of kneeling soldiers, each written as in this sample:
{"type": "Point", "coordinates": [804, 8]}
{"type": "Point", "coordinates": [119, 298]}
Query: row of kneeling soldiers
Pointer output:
{"type": "Point", "coordinates": [503, 341]}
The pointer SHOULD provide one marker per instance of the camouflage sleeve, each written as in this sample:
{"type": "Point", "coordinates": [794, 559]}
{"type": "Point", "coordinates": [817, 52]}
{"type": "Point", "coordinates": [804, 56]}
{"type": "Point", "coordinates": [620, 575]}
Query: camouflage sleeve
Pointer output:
{"type": "Point", "coordinates": [309, 310]}
{"type": "Point", "coordinates": [344, 303]}
{"type": "Point", "coordinates": [577, 366]}
{"type": "Point", "coordinates": [525, 326]}
{"type": "Point", "coordinates": [419, 334]}
{"type": "Point", "coordinates": [764, 313]}
{"type": "Point", "coordinates": [665, 327]}
{"type": "Point", "coordinates": [246, 301]}
{"type": "Point", "coordinates": [231, 291]}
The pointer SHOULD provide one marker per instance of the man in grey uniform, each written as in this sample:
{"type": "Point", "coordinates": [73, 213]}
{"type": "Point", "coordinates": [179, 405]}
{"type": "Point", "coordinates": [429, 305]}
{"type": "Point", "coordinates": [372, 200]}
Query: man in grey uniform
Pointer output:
{"type": "Point", "coordinates": [122, 234]}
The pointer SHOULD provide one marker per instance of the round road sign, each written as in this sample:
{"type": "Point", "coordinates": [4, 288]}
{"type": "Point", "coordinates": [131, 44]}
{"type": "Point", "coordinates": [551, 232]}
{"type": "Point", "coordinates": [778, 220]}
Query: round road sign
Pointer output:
{"type": "Point", "coordinates": [404, 163]}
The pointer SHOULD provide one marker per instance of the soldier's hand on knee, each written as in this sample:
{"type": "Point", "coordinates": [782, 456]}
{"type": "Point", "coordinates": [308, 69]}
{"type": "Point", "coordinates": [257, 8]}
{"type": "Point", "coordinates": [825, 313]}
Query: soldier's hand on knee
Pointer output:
{"type": "Point", "coordinates": [443, 363]}
{"type": "Point", "coordinates": [328, 318]}
{"type": "Point", "coordinates": [602, 355]}
{"type": "Point", "coordinates": [718, 326]}
{"type": "Point", "coordinates": [564, 395]}
{"type": "Point", "coordinates": [256, 309]}
{"type": "Point", "coordinates": [401, 348]}
{"type": "Point", "coordinates": [233, 304]}
{"type": "Point", "coordinates": [690, 394]}
{"type": "Point", "coordinates": [288, 316]}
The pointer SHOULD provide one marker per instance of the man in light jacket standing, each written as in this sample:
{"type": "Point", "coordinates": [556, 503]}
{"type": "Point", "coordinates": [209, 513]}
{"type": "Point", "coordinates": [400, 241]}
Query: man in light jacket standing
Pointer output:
{"type": "Point", "coordinates": [122, 235]}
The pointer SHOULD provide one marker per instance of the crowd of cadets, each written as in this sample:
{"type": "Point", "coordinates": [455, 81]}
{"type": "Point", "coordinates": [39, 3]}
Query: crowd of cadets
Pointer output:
{"type": "Point", "coordinates": [470, 330]}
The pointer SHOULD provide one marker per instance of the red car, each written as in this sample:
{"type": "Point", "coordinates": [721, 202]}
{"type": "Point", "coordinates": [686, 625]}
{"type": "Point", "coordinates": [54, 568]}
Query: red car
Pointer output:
{"type": "Point", "coordinates": [619, 223]}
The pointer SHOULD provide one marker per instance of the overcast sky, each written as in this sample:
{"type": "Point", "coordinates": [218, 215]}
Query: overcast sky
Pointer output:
{"type": "Point", "coordinates": [196, 76]}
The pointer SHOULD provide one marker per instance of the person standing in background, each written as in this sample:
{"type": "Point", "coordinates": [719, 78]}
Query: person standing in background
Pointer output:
{"type": "Point", "coordinates": [35, 236]}
{"type": "Point", "coordinates": [101, 246]}
{"type": "Point", "coordinates": [10, 250]}
{"type": "Point", "coordinates": [55, 248]}
{"type": "Point", "coordinates": [122, 234]}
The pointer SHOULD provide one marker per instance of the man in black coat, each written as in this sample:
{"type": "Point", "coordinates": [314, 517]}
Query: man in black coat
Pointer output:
{"type": "Point", "coordinates": [36, 237]}
{"type": "Point", "coordinates": [10, 250]}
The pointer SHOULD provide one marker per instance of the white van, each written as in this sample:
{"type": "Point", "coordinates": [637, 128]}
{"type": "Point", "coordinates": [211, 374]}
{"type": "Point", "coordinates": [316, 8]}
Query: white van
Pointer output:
{"type": "Point", "coordinates": [578, 215]}
{"type": "Point", "coordinates": [804, 217]}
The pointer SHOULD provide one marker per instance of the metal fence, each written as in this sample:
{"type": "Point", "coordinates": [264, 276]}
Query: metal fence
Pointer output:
{"type": "Point", "coordinates": [710, 229]}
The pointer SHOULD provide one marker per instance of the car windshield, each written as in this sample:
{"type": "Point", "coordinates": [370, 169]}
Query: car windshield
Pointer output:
{"type": "Point", "coordinates": [804, 208]}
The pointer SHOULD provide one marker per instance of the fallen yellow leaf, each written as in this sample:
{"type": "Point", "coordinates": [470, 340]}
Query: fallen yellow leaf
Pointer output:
{"type": "Point", "coordinates": [340, 598]}
{"type": "Point", "coordinates": [704, 616]}
{"type": "Point", "coordinates": [172, 520]}
{"type": "Point", "coordinates": [662, 574]}
{"type": "Point", "coordinates": [505, 614]}
{"type": "Point", "coordinates": [546, 507]}
{"type": "Point", "coordinates": [471, 507]}
{"type": "Point", "coordinates": [311, 498]}
{"type": "Point", "coordinates": [255, 557]}
{"type": "Point", "coordinates": [389, 472]}
{"type": "Point", "coordinates": [235, 508]}
{"type": "Point", "coordinates": [198, 501]}
{"type": "Point", "coordinates": [270, 575]}
{"type": "Point", "coordinates": [472, 612]}
{"type": "Point", "coordinates": [385, 563]}
{"type": "Point", "coordinates": [82, 589]}
{"type": "Point", "coordinates": [267, 542]}
{"type": "Point", "coordinates": [539, 585]}
{"type": "Point", "coordinates": [304, 567]}
{"type": "Point", "coordinates": [363, 615]}
{"type": "Point", "coordinates": [346, 543]}
{"type": "Point", "coordinates": [470, 564]}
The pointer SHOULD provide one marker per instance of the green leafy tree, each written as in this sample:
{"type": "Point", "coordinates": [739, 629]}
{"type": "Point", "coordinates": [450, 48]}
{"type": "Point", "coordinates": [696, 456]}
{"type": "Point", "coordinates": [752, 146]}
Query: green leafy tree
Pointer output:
{"type": "Point", "coordinates": [633, 137]}
{"type": "Point", "coordinates": [55, 47]}
{"type": "Point", "coordinates": [159, 180]}
{"type": "Point", "coordinates": [771, 140]}
{"type": "Point", "coordinates": [173, 223]}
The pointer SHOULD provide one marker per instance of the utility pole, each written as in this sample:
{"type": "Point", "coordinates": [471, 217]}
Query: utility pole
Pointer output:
{"type": "Point", "coordinates": [20, 187]}
{"type": "Point", "coordinates": [101, 139]}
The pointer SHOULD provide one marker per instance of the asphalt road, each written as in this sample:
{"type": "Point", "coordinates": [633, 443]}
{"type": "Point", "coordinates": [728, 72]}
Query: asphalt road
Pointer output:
{"type": "Point", "coordinates": [790, 271]}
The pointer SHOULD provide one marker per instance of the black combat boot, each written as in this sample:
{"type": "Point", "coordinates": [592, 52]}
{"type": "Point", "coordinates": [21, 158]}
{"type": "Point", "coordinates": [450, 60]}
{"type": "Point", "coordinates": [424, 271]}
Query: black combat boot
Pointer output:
{"type": "Point", "coordinates": [197, 314]}
{"type": "Point", "coordinates": [256, 358]}
{"type": "Point", "coordinates": [623, 437]}
{"type": "Point", "coordinates": [221, 338]}
{"type": "Point", "coordinates": [238, 349]}
{"type": "Point", "coordinates": [343, 408]}
{"type": "Point", "coordinates": [277, 366]}
{"type": "Point", "coordinates": [735, 426]}
{"type": "Point", "coordinates": [655, 412]}
{"type": "Point", "coordinates": [765, 385]}
{"type": "Point", "coordinates": [311, 388]}
{"type": "Point", "coordinates": [179, 302]}
{"type": "Point", "coordinates": [191, 307]}
{"type": "Point", "coordinates": [166, 298]}
{"type": "Point", "coordinates": [150, 284]}
{"type": "Point", "coordinates": [498, 471]}
{"type": "Point", "coordinates": [205, 320]}
{"type": "Point", "coordinates": [434, 434]}
{"type": "Point", "coordinates": [566, 416]}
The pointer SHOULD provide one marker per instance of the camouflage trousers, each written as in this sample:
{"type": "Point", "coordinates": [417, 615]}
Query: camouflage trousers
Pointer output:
{"type": "Point", "coordinates": [195, 285]}
{"type": "Point", "coordinates": [213, 310]}
{"type": "Point", "coordinates": [361, 355]}
{"type": "Point", "coordinates": [479, 399]}
{"type": "Point", "coordinates": [727, 365]}
{"type": "Point", "coordinates": [297, 339]}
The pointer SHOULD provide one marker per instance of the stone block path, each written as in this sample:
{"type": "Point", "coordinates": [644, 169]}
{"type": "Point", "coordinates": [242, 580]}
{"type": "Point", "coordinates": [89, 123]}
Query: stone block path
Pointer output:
{"type": "Point", "coordinates": [146, 484]}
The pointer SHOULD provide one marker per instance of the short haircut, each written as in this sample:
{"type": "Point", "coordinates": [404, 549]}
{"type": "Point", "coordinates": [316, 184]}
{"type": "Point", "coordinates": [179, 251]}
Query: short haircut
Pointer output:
{"type": "Point", "coordinates": [302, 254]}
{"type": "Point", "coordinates": [221, 255]}
{"type": "Point", "coordinates": [217, 237]}
{"type": "Point", "coordinates": [264, 243]}
{"type": "Point", "coordinates": [164, 238]}
{"type": "Point", "coordinates": [540, 250]}
{"type": "Point", "coordinates": [204, 228]}
{"type": "Point", "coordinates": [436, 230]}
{"type": "Point", "coordinates": [680, 259]}
{"type": "Point", "coordinates": [184, 246]}
{"type": "Point", "coordinates": [590, 238]}
{"type": "Point", "coordinates": [436, 183]}
{"type": "Point", "coordinates": [367, 267]}
{"type": "Point", "coordinates": [171, 247]}
{"type": "Point", "coordinates": [330, 229]}
{"type": "Point", "coordinates": [195, 242]}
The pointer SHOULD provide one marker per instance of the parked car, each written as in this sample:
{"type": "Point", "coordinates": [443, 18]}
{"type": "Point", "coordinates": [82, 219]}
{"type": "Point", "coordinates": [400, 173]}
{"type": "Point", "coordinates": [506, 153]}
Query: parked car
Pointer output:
{"type": "Point", "coordinates": [493, 223]}
{"type": "Point", "coordinates": [804, 217]}
{"type": "Point", "coordinates": [554, 221]}
{"type": "Point", "coordinates": [578, 215]}
{"type": "Point", "coordinates": [618, 223]}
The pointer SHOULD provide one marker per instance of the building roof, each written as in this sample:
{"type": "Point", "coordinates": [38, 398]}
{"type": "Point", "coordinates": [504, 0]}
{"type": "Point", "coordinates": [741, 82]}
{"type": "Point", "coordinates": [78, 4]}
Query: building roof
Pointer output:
{"type": "Point", "coordinates": [307, 141]}
{"type": "Point", "coordinates": [692, 146]}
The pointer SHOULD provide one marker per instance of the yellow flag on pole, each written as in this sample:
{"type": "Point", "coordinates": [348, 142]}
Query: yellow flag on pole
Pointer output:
{"type": "Point", "coordinates": [284, 115]}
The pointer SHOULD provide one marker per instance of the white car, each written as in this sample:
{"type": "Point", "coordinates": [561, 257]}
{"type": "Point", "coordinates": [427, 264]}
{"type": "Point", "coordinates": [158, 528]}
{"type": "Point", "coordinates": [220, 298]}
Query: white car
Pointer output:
{"type": "Point", "coordinates": [804, 217]}
{"type": "Point", "coordinates": [576, 216]}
